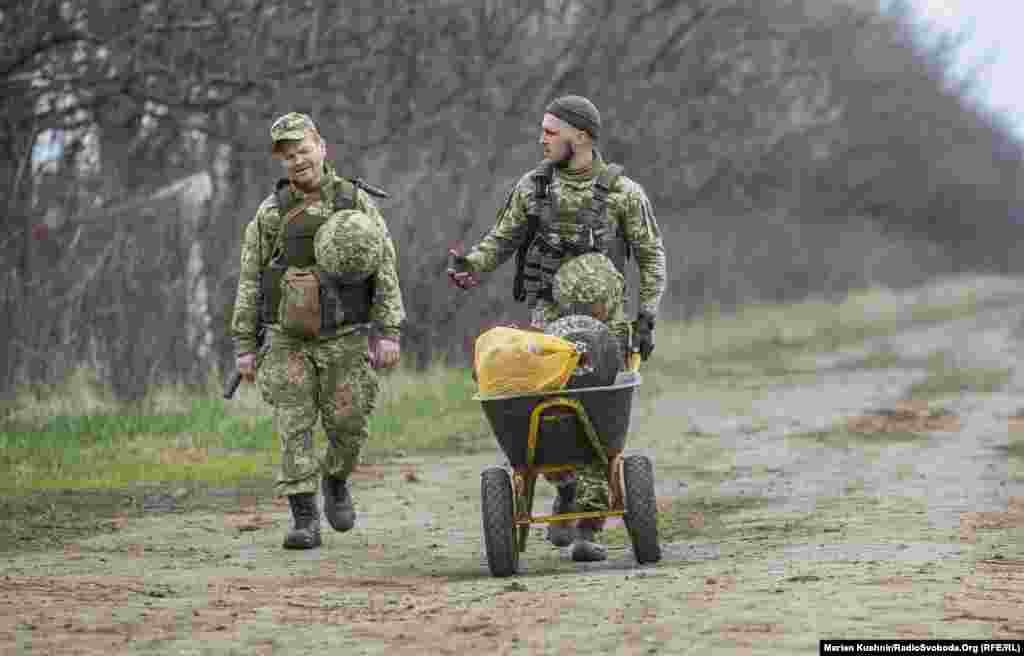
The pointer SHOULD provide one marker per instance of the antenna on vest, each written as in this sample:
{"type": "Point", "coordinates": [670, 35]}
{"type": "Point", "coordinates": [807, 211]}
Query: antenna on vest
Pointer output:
{"type": "Point", "coordinates": [370, 189]}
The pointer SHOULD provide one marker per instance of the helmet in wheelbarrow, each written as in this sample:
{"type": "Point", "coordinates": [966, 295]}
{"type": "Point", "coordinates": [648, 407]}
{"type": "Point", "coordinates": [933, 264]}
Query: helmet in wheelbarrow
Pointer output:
{"type": "Point", "coordinates": [601, 357]}
{"type": "Point", "coordinates": [349, 245]}
{"type": "Point", "coordinates": [588, 284]}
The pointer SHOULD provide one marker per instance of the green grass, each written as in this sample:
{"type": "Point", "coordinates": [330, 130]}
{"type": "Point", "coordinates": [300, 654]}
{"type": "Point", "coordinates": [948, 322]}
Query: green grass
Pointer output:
{"type": "Point", "coordinates": [207, 421]}
{"type": "Point", "coordinates": [946, 379]}
{"type": "Point", "coordinates": [773, 340]}
{"type": "Point", "coordinates": [840, 437]}
{"type": "Point", "coordinates": [74, 436]}
{"type": "Point", "coordinates": [107, 448]}
{"type": "Point", "coordinates": [880, 359]}
{"type": "Point", "coordinates": [428, 411]}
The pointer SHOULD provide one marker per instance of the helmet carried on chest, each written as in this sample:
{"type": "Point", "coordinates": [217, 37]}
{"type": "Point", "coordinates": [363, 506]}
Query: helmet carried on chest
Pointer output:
{"type": "Point", "coordinates": [309, 297]}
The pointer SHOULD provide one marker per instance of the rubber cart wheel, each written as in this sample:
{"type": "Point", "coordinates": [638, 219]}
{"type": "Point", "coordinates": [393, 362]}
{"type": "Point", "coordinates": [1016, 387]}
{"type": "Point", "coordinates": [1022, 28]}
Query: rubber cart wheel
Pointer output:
{"type": "Point", "coordinates": [641, 517]}
{"type": "Point", "coordinates": [499, 521]}
{"type": "Point", "coordinates": [601, 357]}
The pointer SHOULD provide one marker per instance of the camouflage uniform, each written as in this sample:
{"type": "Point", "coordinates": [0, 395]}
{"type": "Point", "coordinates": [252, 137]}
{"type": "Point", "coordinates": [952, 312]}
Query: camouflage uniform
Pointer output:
{"type": "Point", "coordinates": [630, 216]}
{"type": "Point", "coordinates": [326, 378]}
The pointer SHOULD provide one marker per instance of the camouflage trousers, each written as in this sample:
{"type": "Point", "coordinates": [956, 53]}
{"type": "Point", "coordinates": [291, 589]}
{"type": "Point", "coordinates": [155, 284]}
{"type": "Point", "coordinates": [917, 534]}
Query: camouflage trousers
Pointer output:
{"type": "Point", "coordinates": [329, 380]}
{"type": "Point", "coordinates": [591, 480]}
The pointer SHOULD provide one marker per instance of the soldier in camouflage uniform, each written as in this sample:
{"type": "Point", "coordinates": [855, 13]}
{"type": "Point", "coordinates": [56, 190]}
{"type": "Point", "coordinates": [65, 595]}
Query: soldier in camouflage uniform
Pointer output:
{"type": "Point", "coordinates": [329, 322]}
{"type": "Point", "coordinates": [572, 204]}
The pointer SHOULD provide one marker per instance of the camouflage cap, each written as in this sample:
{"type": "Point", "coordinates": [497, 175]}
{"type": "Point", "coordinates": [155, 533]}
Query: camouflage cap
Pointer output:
{"type": "Point", "coordinates": [291, 127]}
{"type": "Point", "coordinates": [578, 112]}
{"type": "Point", "coordinates": [350, 244]}
{"type": "Point", "coordinates": [588, 281]}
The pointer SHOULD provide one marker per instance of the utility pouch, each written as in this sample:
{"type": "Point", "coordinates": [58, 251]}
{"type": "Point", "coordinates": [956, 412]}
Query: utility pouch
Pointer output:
{"type": "Point", "coordinates": [299, 309]}
{"type": "Point", "coordinates": [541, 264]}
{"type": "Point", "coordinates": [342, 304]}
{"type": "Point", "coordinates": [270, 290]}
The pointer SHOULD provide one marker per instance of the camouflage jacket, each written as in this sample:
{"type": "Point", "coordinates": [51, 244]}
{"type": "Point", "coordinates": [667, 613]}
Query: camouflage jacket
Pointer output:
{"type": "Point", "coordinates": [628, 206]}
{"type": "Point", "coordinates": [387, 311]}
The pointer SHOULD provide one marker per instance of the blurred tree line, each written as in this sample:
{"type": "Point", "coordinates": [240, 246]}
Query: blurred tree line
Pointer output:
{"type": "Point", "coordinates": [790, 147]}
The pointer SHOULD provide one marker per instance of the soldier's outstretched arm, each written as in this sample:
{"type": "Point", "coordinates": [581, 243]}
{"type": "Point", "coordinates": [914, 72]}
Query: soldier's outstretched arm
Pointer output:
{"type": "Point", "coordinates": [507, 234]}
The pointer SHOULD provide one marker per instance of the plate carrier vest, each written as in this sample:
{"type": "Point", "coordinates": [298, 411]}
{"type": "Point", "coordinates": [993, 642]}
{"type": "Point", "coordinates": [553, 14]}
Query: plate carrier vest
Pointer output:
{"type": "Point", "coordinates": [544, 249]}
{"type": "Point", "coordinates": [340, 304]}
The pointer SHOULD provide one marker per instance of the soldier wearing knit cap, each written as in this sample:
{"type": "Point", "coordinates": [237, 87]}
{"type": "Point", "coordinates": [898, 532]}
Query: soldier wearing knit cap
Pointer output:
{"type": "Point", "coordinates": [575, 203]}
{"type": "Point", "coordinates": [578, 112]}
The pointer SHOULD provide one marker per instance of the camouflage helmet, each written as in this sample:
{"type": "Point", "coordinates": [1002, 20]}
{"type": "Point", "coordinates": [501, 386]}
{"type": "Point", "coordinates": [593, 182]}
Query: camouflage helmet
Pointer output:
{"type": "Point", "coordinates": [349, 244]}
{"type": "Point", "coordinates": [588, 284]}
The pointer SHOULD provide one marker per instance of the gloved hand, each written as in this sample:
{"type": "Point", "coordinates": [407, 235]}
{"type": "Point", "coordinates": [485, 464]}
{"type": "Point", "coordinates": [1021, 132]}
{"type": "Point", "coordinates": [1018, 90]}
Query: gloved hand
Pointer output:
{"type": "Point", "coordinates": [643, 335]}
{"type": "Point", "coordinates": [246, 365]}
{"type": "Point", "coordinates": [459, 271]}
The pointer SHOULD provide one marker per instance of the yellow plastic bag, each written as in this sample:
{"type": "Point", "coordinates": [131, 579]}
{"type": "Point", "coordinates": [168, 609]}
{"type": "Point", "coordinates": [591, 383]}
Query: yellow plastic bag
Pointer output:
{"type": "Point", "coordinates": [513, 361]}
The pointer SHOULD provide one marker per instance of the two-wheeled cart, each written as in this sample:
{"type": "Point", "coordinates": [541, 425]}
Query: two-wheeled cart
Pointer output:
{"type": "Point", "coordinates": [542, 433]}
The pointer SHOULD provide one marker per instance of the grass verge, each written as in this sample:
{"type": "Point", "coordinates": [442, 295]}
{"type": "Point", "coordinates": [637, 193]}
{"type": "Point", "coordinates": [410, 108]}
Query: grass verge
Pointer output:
{"type": "Point", "coordinates": [75, 437]}
{"type": "Point", "coordinates": [774, 340]}
{"type": "Point", "coordinates": [946, 379]}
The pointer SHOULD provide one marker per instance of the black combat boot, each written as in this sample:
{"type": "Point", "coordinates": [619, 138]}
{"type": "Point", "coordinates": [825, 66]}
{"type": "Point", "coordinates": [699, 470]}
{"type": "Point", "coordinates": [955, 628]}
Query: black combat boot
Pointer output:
{"type": "Point", "coordinates": [305, 533]}
{"type": "Point", "coordinates": [338, 508]}
{"type": "Point", "coordinates": [584, 548]}
{"type": "Point", "coordinates": [561, 534]}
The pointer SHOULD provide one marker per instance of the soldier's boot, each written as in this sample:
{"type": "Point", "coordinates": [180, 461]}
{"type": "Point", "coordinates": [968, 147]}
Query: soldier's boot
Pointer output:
{"type": "Point", "coordinates": [305, 531]}
{"type": "Point", "coordinates": [561, 534]}
{"type": "Point", "coordinates": [338, 508]}
{"type": "Point", "coordinates": [584, 548]}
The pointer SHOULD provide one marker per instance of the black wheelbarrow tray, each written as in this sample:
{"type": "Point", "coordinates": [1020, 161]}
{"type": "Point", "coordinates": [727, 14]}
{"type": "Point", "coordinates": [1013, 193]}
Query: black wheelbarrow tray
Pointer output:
{"type": "Point", "coordinates": [558, 431]}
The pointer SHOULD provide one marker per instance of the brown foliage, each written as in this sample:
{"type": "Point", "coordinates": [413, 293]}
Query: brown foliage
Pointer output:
{"type": "Point", "coordinates": [789, 147]}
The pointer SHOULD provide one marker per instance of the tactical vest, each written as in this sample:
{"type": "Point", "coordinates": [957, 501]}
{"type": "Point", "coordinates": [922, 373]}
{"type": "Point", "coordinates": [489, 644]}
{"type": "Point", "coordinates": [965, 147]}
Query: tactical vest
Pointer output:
{"type": "Point", "coordinates": [546, 248]}
{"type": "Point", "coordinates": [340, 304]}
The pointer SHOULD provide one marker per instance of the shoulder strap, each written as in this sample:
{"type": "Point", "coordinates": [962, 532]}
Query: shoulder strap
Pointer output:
{"type": "Point", "coordinates": [345, 195]}
{"type": "Point", "coordinates": [593, 216]}
{"type": "Point", "coordinates": [281, 193]}
{"type": "Point", "coordinates": [284, 198]}
{"type": "Point", "coordinates": [538, 210]}
{"type": "Point", "coordinates": [542, 205]}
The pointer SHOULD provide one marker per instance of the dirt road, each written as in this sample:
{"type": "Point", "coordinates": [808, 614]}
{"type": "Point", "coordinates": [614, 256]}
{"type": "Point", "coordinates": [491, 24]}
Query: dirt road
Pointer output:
{"type": "Point", "coordinates": [815, 506]}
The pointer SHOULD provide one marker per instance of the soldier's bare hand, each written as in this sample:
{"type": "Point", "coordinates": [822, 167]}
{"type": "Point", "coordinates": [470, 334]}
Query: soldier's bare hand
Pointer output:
{"type": "Point", "coordinates": [246, 364]}
{"type": "Point", "coordinates": [459, 272]}
{"type": "Point", "coordinates": [384, 353]}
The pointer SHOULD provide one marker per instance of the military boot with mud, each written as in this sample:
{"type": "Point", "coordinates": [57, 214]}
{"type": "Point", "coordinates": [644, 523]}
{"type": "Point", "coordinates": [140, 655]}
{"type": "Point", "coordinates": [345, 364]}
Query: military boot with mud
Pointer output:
{"type": "Point", "coordinates": [338, 508]}
{"type": "Point", "coordinates": [585, 549]}
{"type": "Point", "coordinates": [561, 534]}
{"type": "Point", "coordinates": [305, 532]}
